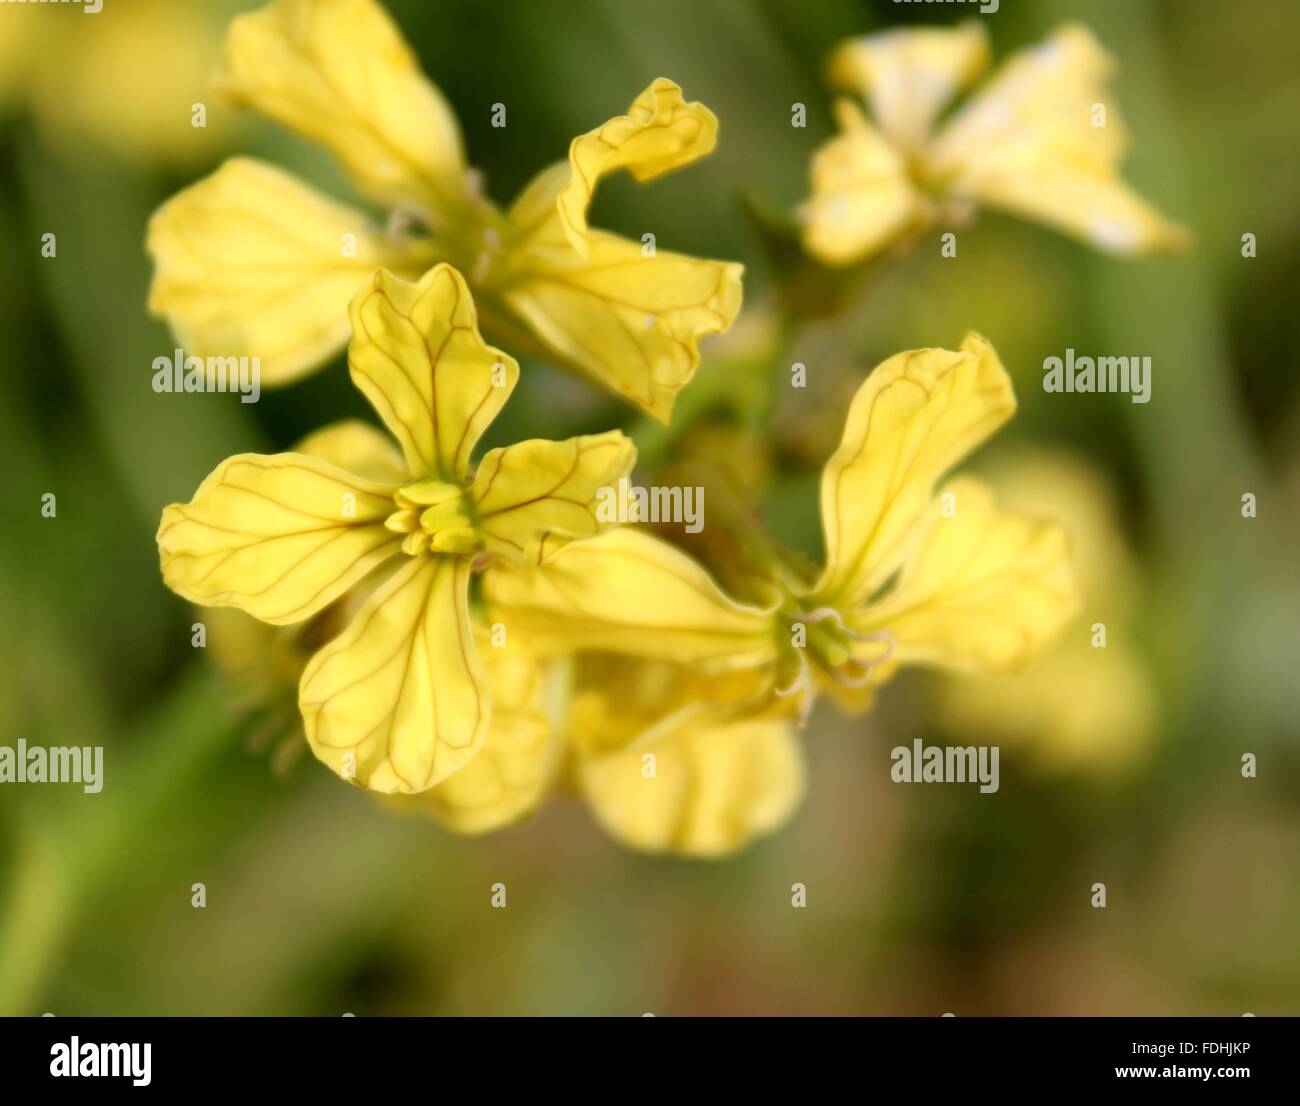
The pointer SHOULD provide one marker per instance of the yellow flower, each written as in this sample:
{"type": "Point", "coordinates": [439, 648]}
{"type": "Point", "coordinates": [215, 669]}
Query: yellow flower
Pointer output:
{"type": "Point", "coordinates": [914, 573]}
{"type": "Point", "coordinates": [1042, 140]}
{"type": "Point", "coordinates": [522, 747]}
{"type": "Point", "coordinates": [1088, 702]}
{"type": "Point", "coordinates": [398, 701]}
{"type": "Point", "coordinates": [252, 261]}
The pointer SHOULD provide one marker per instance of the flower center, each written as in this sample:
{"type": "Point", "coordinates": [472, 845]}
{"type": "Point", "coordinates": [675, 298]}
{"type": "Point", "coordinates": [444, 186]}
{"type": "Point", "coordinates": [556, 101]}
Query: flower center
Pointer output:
{"type": "Point", "coordinates": [435, 516]}
{"type": "Point", "coordinates": [819, 640]}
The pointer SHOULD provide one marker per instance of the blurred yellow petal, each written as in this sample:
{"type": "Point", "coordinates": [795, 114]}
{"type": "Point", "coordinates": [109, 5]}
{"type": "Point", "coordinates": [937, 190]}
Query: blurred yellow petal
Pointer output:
{"type": "Point", "coordinates": [1030, 143]}
{"type": "Point", "coordinates": [280, 537]}
{"type": "Point", "coordinates": [340, 73]}
{"type": "Point", "coordinates": [532, 497]}
{"type": "Point", "coordinates": [660, 132]}
{"type": "Point", "coordinates": [916, 416]}
{"type": "Point", "coordinates": [617, 700]}
{"type": "Point", "coordinates": [1096, 207]}
{"type": "Point", "coordinates": [153, 56]}
{"type": "Point", "coordinates": [399, 701]}
{"type": "Point", "coordinates": [356, 446]}
{"type": "Point", "coordinates": [21, 44]}
{"type": "Point", "coordinates": [862, 195]}
{"type": "Point", "coordinates": [250, 654]}
{"type": "Point", "coordinates": [704, 792]}
{"type": "Point", "coordinates": [628, 592]}
{"type": "Point", "coordinates": [1074, 708]}
{"type": "Point", "coordinates": [1066, 486]}
{"type": "Point", "coordinates": [1039, 100]}
{"type": "Point", "coordinates": [250, 261]}
{"type": "Point", "coordinates": [520, 757]}
{"type": "Point", "coordinates": [984, 591]}
{"type": "Point", "coordinates": [629, 319]}
{"type": "Point", "coordinates": [418, 356]}
{"type": "Point", "coordinates": [909, 75]}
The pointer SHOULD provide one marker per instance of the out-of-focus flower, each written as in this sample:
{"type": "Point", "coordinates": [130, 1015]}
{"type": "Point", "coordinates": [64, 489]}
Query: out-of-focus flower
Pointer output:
{"type": "Point", "coordinates": [399, 700]}
{"type": "Point", "coordinates": [1087, 702]}
{"type": "Point", "coordinates": [253, 261]}
{"type": "Point", "coordinates": [912, 574]}
{"type": "Point", "coordinates": [17, 40]}
{"type": "Point", "coordinates": [1041, 139]}
{"type": "Point", "coordinates": [125, 79]}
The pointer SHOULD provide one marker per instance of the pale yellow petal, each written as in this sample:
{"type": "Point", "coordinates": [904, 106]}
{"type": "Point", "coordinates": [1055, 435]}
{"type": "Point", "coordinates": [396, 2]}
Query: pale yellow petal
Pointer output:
{"type": "Point", "coordinates": [1094, 206]}
{"type": "Point", "coordinates": [862, 195]}
{"type": "Point", "coordinates": [23, 39]}
{"type": "Point", "coordinates": [1076, 708]}
{"type": "Point", "coordinates": [265, 662]}
{"type": "Point", "coordinates": [280, 537]}
{"type": "Point", "coordinates": [532, 497]}
{"type": "Point", "coordinates": [1032, 143]}
{"type": "Point", "coordinates": [1040, 98]}
{"type": "Point", "coordinates": [984, 590]}
{"type": "Point", "coordinates": [1068, 487]}
{"type": "Point", "coordinates": [417, 354]}
{"type": "Point", "coordinates": [356, 446]}
{"type": "Point", "coordinates": [126, 83]}
{"type": "Point", "coordinates": [629, 321]}
{"type": "Point", "coordinates": [701, 791]}
{"type": "Point", "coordinates": [626, 314]}
{"type": "Point", "coordinates": [521, 754]}
{"type": "Point", "coordinates": [340, 73]}
{"type": "Point", "coordinates": [615, 701]}
{"type": "Point", "coordinates": [628, 592]}
{"type": "Point", "coordinates": [251, 262]}
{"type": "Point", "coordinates": [916, 416]}
{"type": "Point", "coordinates": [660, 132]}
{"type": "Point", "coordinates": [910, 75]}
{"type": "Point", "coordinates": [399, 701]}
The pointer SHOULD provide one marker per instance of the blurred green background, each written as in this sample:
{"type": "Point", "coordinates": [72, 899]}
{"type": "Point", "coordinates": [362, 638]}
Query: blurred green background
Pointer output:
{"type": "Point", "coordinates": [920, 900]}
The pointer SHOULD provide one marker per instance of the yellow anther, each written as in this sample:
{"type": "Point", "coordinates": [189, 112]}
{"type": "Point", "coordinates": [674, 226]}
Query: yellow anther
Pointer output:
{"type": "Point", "coordinates": [434, 517]}
{"type": "Point", "coordinates": [403, 521]}
{"type": "Point", "coordinates": [427, 493]}
{"type": "Point", "coordinates": [416, 543]}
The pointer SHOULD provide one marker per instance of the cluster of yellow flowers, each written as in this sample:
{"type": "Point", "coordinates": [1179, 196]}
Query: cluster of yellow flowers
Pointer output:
{"type": "Point", "coordinates": [480, 634]}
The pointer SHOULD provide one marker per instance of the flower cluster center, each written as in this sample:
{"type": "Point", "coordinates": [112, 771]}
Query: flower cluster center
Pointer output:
{"type": "Point", "coordinates": [820, 640]}
{"type": "Point", "coordinates": [435, 517]}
